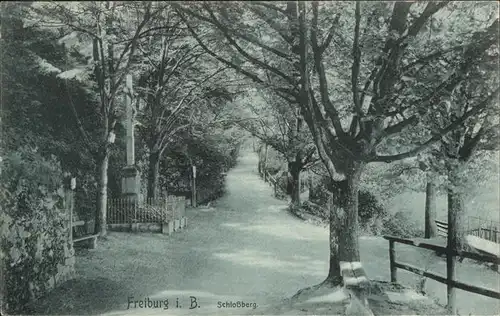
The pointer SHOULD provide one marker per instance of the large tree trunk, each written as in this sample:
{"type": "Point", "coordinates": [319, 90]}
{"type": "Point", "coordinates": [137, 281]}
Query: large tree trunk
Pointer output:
{"type": "Point", "coordinates": [333, 277]}
{"type": "Point", "coordinates": [430, 207]}
{"type": "Point", "coordinates": [154, 174]}
{"type": "Point", "coordinates": [344, 243]}
{"type": "Point", "coordinates": [456, 209]}
{"type": "Point", "coordinates": [294, 168]}
{"type": "Point", "coordinates": [102, 194]}
{"type": "Point", "coordinates": [348, 220]}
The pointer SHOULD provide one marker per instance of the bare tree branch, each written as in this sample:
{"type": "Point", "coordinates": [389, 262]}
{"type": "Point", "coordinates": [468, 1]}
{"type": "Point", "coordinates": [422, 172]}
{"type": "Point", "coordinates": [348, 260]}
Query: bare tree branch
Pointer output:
{"type": "Point", "coordinates": [430, 57]}
{"type": "Point", "coordinates": [398, 127]}
{"type": "Point", "coordinates": [271, 22]}
{"type": "Point", "coordinates": [249, 57]}
{"type": "Point", "coordinates": [250, 75]}
{"type": "Point", "coordinates": [328, 106]}
{"type": "Point", "coordinates": [430, 10]}
{"type": "Point", "coordinates": [437, 137]}
{"type": "Point", "coordinates": [331, 33]}
{"type": "Point", "coordinates": [356, 52]}
{"type": "Point", "coordinates": [271, 6]}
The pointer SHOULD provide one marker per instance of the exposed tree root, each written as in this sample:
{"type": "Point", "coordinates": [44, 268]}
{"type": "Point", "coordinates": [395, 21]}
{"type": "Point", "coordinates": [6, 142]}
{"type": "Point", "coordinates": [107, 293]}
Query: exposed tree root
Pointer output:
{"type": "Point", "coordinates": [330, 283]}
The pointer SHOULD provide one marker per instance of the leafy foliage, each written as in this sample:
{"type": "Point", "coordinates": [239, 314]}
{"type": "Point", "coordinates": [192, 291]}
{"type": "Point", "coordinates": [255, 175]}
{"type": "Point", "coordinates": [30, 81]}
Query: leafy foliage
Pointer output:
{"type": "Point", "coordinates": [37, 107]}
{"type": "Point", "coordinates": [373, 82]}
{"type": "Point", "coordinates": [35, 248]}
{"type": "Point", "coordinates": [400, 224]}
{"type": "Point", "coordinates": [370, 208]}
{"type": "Point", "coordinates": [212, 154]}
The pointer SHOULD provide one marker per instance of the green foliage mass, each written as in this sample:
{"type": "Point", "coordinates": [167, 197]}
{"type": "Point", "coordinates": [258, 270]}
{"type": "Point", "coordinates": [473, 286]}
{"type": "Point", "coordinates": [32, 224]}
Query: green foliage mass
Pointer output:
{"type": "Point", "coordinates": [213, 156]}
{"type": "Point", "coordinates": [369, 206]}
{"type": "Point", "coordinates": [35, 249]}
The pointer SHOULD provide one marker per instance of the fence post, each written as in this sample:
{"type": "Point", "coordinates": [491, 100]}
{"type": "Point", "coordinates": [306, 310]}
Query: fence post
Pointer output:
{"type": "Point", "coordinates": [392, 258]}
{"type": "Point", "coordinates": [173, 216]}
{"type": "Point", "coordinates": [450, 277]}
{"type": "Point", "coordinates": [135, 210]}
{"type": "Point", "coordinates": [69, 203]}
{"type": "Point", "coordinates": [491, 231]}
{"type": "Point", "coordinates": [193, 187]}
{"type": "Point", "coordinates": [165, 210]}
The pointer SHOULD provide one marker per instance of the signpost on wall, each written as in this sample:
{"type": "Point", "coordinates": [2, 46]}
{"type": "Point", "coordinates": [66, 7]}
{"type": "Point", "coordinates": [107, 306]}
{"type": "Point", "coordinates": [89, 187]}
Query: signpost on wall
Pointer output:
{"type": "Point", "coordinates": [193, 188]}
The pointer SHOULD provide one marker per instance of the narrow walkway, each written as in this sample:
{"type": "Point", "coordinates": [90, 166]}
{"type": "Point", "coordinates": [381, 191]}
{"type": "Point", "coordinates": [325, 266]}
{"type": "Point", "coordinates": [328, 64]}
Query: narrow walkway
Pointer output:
{"type": "Point", "coordinates": [246, 248]}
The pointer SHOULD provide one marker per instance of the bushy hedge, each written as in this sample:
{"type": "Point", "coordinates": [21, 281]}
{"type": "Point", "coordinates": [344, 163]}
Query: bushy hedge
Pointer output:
{"type": "Point", "coordinates": [35, 249]}
{"type": "Point", "coordinates": [400, 224]}
{"type": "Point", "coordinates": [371, 213]}
{"type": "Point", "coordinates": [213, 156]}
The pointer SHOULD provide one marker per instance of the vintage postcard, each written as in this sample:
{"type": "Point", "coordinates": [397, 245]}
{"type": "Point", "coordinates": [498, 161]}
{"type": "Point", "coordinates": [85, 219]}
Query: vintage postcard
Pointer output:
{"type": "Point", "coordinates": [249, 158]}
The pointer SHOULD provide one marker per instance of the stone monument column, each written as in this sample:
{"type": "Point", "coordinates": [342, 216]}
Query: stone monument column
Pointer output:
{"type": "Point", "coordinates": [131, 176]}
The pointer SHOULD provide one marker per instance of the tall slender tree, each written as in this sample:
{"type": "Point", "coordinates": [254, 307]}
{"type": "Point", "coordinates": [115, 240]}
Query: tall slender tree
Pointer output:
{"type": "Point", "coordinates": [102, 34]}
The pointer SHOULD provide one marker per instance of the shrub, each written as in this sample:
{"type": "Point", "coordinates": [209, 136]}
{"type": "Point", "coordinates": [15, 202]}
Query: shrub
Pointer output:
{"type": "Point", "coordinates": [317, 211]}
{"type": "Point", "coordinates": [370, 211]}
{"type": "Point", "coordinates": [282, 183]}
{"type": "Point", "coordinates": [35, 250]}
{"type": "Point", "coordinates": [401, 225]}
{"type": "Point", "coordinates": [211, 165]}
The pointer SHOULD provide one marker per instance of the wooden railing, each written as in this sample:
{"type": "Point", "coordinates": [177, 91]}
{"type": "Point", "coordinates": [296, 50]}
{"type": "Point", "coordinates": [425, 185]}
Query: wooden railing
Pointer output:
{"type": "Point", "coordinates": [449, 280]}
{"type": "Point", "coordinates": [483, 228]}
{"type": "Point", "coordinates": [130, 210]}
{"type": "Point", "coordinates": [490, 232]}
{"type": "Point", "coordinates": [486, 233]}
{"type": "Point", "coordinates": [272, 182]}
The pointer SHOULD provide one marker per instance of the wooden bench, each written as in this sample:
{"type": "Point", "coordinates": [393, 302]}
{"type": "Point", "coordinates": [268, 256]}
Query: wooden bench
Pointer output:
{"type": "Point", "coordinates": [90, 239]}
{"type": "Point", "coordinates": [442, 228]}
{"type": "Point", "coordinates": [481, 232]}
{"type": "Point", "coordinates": [482, 245]}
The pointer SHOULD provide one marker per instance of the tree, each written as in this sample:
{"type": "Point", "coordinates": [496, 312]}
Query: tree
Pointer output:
{"type": "Point", "coordinates": [348, 134]}
{"type": "Point", "coordinates": [424, 175]}
{"type": "Point", "coordinates": [34, 111]}
{"type": "Point", "coordinates": [276, 125]}
{"type": "Point", "coordinates": [171, 83]}
{"type": "Point", "coordinates": [103, 37]}
{"type": "Point", "coordinates": [461, 146]}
